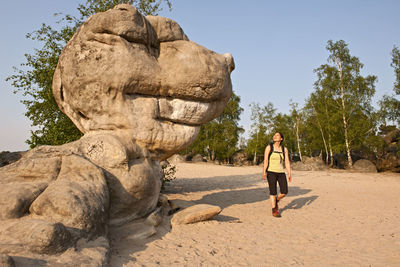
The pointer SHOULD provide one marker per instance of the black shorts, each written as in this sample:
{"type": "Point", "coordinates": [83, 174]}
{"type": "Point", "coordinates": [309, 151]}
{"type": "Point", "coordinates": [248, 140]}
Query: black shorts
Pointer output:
{"type": "Point", "coordinates": [274, 177]}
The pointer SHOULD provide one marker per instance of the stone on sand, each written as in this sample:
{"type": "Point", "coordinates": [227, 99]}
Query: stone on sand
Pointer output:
{"type": "Point", "coordinates": [196, 213]}
{"type": "Point", "coordinates": [364, 165]}
{"type": "Point", "coordinates": [176, 159]}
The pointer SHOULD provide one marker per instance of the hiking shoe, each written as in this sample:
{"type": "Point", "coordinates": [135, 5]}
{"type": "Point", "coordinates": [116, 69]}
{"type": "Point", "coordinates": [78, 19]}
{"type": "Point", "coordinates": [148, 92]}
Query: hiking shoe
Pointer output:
{"type": "Point", "coordinates": [275, 213]}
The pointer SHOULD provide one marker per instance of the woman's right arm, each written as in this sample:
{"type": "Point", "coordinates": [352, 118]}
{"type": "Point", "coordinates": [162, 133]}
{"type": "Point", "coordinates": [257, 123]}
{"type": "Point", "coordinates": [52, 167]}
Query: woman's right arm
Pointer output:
{"type": "Point", "coordinates": [266, 153]}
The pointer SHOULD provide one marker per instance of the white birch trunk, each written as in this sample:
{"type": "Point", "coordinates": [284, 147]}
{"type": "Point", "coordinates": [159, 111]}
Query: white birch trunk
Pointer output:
{"type": "Point", "coordinates": [322, 132]}
{"type": "Point", "coordinates": [346, 137]}
{"type": "Point", "coordinates": [298, 141]}
{"type": "Point", "coordinates": [255, 151]}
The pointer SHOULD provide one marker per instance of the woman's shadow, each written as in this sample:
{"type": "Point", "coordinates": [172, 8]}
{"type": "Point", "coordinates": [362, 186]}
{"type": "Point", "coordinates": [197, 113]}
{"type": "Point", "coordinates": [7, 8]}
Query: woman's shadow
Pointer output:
{"type": "Point", "coordinates": [298, 203]}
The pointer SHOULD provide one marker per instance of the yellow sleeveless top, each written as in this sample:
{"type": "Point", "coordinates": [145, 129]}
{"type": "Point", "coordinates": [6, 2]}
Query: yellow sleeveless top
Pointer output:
{"type": "Point", "coordinates": [276, 162]}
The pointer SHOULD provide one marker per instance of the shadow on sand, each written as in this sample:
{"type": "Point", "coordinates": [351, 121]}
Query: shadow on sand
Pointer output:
{"type": "Point", "coordinates": [123, 250]}
{"type": "Point", "coordinates": [226, 199]}
{"type": "Point", "coordinates": [191, 185]}
{"type": "Point", "coordinates": [298, 203]}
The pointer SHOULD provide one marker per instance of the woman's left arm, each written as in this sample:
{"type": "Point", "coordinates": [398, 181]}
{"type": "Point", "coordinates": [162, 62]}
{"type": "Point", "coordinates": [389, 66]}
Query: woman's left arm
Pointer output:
{"type": "Point", "coordinates": [287, 164]}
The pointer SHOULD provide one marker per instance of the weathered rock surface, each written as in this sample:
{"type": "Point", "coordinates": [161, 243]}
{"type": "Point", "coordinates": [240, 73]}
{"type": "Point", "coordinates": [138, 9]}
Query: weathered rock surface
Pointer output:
{"type": "Point", "coordinates": [7, 157]}
{"type": "Point", "coordinates": [176, 159]}
{"type": "Point", "coordinates": [364, 165]}
{"type": "Point", "coordinates": [195, 213]}
{"type": "Point", "coordinates": [6, 261]}
{"type": "Point", "coordinates": [198, 158]}
{"type": "Point", "coordinates": [139, 90]}
{"type": "Point", "coordinates": [309, 164]}
{"type": "Point", "coordinates": [157, 90]}
{"type": "Point", "coordinates": [240, 159]}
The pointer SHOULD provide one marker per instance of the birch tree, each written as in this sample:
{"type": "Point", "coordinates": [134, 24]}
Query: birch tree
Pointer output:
{"type": "Point", "coordinates": [262, 118]}
{"type": "Point", "coordinates": [297, 121]}
{"type": "Point", "coordinates": [351, 92]}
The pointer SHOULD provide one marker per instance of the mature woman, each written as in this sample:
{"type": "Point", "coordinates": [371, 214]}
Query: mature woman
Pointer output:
{"type": "Point", "coordinates": [275, 157]}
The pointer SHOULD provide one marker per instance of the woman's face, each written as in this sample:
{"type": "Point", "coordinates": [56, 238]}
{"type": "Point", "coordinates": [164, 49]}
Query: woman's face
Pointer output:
{"type": "Point", "coordinates": [277, 137]}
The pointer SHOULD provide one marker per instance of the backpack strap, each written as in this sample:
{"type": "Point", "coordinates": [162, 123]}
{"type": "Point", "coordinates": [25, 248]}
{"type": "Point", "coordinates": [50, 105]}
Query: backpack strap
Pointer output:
{"type": "Point", "coordinates": [271, 149]}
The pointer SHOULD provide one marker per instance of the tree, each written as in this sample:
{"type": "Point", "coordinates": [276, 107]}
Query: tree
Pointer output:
{"type": "Point", "coordinates": [297, 123]}
{"type": "Point", "coordinates": [350, 91]}
{"type": "Point", "coordinates": [218, 138]}
{"type": "Point", "coordinates": [284, 124]}
{"type": "Point", "coordinates": [324, 114]}
{"type": "Point", "coordinates": [35, 78]}
{"type": "Point", "coordinates": [262, 118]}
{"type": "Point", "coordinates": [390, 105]}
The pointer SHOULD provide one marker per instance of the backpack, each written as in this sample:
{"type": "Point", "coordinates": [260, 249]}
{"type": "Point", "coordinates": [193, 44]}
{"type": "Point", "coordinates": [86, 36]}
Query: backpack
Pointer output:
{"type": "Point", "coordinates": [271, 145]}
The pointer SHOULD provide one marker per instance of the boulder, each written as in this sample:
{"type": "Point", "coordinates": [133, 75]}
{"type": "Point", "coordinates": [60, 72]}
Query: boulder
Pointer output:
{"type": "Point", "coordinates": [138, 90]}
{"type": "Point", "coordinates": [35, 235]}
{"type": "Point", "coordinates": [300, 166]}
{"type": "Point", "coordinates": [198, 158]}
{"type": "Point", "coordinates": [7, 157]}
{"type": "Point", "coordinates": [364, 165]}
{"type": "Point", "coordinates": [176, 159]}
{"type": "Point", "coordinates": [388, 162]}
{"type": "Point", "coordinates": [240, 158]}
{"type": "Point", "coordinates": [392, 136]}
{"type": "Point", "coordinates": [195, 213]}
{"type": "Point", "coordinates": [309, 164]}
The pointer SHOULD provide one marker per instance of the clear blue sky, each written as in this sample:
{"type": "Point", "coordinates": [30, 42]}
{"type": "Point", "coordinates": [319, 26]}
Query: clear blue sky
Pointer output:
{"type": "Point", "coordinates": [275, 44]}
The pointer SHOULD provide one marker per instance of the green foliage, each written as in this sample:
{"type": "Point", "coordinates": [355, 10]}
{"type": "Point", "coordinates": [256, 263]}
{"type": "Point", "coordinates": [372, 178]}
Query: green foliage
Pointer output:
{"type": "Point", "coordinates": [283, 123]}
{"type": "Point", "coordinates": [261, 130]}
{"type": "Point", "coordinates": [348, 95]}
{"type": "Point", "coordinates": [390, 105]}
{"type": "Point", "coordinates": [34, 79]}
{"type": "Point", "coordinates": [218, 138]}
{"type": "Point", "coordinates": [396, 65]}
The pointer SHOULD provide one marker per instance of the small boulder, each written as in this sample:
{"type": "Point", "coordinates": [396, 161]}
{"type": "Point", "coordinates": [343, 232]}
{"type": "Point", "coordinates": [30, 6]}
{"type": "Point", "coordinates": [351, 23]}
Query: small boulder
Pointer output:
{"type": "Point", "coordinates": [240, 158]}
{"type": "Point", "coordinates": [392, 136]}
{"type": "Point", "coordinates": [300, 166]}
{"type": "Point", "coordinates": [309, 164]}
{"type": "Point", "coordinates": [176, 159]}
{"type": "Point", "coordinates": [155, 218]}
{"type": "Point", "coordinates": [198, 158]}
{"type": "Point", "coordinates": [196, 213]}
{"type": "Point", "coordinates": [364, 165]}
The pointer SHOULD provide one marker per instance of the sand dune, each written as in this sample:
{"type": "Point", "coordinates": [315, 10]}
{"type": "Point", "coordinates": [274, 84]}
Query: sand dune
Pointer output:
{"type": "Point", "coordinates": [329, 218]}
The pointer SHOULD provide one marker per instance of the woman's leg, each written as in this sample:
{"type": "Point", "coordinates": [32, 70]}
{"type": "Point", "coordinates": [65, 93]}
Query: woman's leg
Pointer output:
{"type": "Point", "coordinates": [283, 186]}
{"type": "Point", "coordinates": [272, 180]}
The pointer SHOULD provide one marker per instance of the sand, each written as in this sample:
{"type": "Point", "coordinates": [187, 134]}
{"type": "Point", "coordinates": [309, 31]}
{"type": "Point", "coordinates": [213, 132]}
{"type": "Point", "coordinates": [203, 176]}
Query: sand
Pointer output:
{"type": "Point", "coordinates": [329, 218]}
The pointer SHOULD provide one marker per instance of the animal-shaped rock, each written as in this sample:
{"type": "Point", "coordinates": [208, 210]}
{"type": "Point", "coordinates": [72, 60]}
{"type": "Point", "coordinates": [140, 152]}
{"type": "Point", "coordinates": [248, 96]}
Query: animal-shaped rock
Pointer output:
{"type": "Point", "coordinates": [139, 90]}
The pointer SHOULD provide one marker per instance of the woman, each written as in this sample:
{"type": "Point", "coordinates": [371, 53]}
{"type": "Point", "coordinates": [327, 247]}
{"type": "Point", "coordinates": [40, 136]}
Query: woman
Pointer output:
{"type": "Point", "coordinates": [274, 156]}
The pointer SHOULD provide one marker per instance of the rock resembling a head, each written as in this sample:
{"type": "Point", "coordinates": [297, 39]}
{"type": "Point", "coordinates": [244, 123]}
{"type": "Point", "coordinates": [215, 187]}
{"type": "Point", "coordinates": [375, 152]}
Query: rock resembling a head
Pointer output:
{"type": "Point", "coordinates": [140, 77]}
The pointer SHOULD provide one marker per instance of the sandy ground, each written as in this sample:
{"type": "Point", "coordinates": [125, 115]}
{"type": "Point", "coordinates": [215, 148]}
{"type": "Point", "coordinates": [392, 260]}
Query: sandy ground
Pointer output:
{"type": "Point", "coordinates": [329, 218]}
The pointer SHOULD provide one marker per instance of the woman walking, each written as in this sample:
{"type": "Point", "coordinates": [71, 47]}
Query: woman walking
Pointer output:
{"type": "Point", "coordinates": [274, 158]}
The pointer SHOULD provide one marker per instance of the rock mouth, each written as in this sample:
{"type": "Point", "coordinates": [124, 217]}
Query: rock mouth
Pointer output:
{"type": "Point", "coordinates": [183, 111]}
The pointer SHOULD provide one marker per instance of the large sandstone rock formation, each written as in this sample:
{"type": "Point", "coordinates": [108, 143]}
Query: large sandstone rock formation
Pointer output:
{"type": "Point", "coordinates": [139, 90]}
